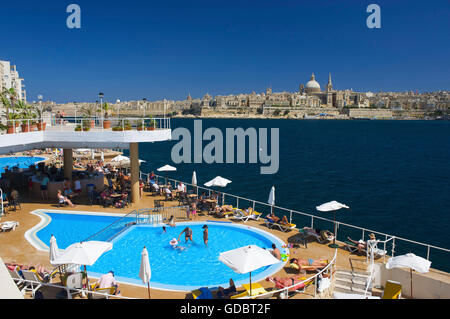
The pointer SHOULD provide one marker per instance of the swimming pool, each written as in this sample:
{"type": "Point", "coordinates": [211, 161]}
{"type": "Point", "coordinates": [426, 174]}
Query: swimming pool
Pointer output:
{"type": "Point", "coordinates": [20, 161]}
{"type": "Point", "coordinates": [197, 266]}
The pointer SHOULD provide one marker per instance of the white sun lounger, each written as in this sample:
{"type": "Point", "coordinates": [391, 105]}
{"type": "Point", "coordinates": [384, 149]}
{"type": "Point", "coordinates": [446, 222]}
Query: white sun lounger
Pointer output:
{"type": "Point", "coordinates": [239, 214]}
{"type": "Point", "coordinates": [9, 225]}
{"type": "Point", "coordinates": [18, 279]}
{"type": "Point", "coordinates": [32, 282]}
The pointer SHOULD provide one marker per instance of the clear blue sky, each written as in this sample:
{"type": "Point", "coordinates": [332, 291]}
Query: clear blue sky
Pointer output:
{"type": "Point", "coordinates": [167, 49]}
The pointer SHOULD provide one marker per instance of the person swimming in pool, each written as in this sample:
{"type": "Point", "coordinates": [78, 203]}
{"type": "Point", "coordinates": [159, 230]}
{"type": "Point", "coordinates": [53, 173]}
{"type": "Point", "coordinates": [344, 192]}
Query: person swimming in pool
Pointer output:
{"type": "Point", "coordinates": [187, 234]}
{"type": "Point", "coordinates": [174, 244]}
{"type": "Point", "coordinates": [205, 234]}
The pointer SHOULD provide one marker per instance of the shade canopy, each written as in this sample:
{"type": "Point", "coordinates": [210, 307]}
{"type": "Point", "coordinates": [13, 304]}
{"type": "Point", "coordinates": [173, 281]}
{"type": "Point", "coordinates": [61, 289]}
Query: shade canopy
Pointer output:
{"type": "Point", "coordinates": [271, 200]}
{"type": "Point", "coordinates": [248, 258]}
{"type": "Point", "coordinates": [145, 272]}
{"type": "Point", "coordinates": [120, 158]}
{"type": "Point", "coordinates": [84, 253]}
{"type": "Point", "coordinates": [331, 206]}
{"type": "Point", "coordinates": [218, 181]}
{"type": "Point", "coordinates": [166, 168]}
{"type": "Point", "coordinates": [411, 261]}
{"type": "Point", "coordinates": [194, 179]}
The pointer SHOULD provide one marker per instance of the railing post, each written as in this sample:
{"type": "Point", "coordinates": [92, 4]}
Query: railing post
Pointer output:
{"type": "Point", "coordinates": [312, 222]}
{"type": "Point", "coordinates": [428, 252]}
{"type": "Point", "coordinates": [290, 217]}
{"type": "Point", "coordinates": [393, 246]}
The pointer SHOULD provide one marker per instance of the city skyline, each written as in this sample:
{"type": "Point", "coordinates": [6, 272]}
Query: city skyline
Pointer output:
{"type": "Point", "coordinates": [157, 51]}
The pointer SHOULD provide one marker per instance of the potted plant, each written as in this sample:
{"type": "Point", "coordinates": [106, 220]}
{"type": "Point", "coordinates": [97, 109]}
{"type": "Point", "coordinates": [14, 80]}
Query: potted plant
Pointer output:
{"type": "Point", "coordinates": [140, 125]}
{"type": "Point", "coordinates": [106, 122]}
{"type": "Point", "coordinates": [151, 124]}
{"type": "Point", "coordinates": [117, 128]}
{"type": "Point", "coordinates": [78, 128]}
{"type": "Point", "coordinates": [89, 112]}
{"type": "Point", "coordinates": [40, 123]}
{"type": "Point", "coordinates": [86, 125]}
{"type": "Point", "coordinates": [7, 98]}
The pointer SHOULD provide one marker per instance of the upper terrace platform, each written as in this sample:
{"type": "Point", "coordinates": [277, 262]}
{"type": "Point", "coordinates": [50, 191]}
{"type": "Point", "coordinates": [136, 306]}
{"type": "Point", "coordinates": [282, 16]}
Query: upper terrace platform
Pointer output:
{"type": "Point", "coordinates": [82, 133]}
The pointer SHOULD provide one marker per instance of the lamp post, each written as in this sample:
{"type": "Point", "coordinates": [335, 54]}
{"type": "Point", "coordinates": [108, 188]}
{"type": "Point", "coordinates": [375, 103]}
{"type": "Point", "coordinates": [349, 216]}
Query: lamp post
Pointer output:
{"type": "Point", "coordinates": [100, 95]}
{"type": "Point", "coordinates": [40, 97]}
{"type": "Point", "coordinates": [145, 101]}
{"type": "Point", "coordinates": [118, 108]}
{"type": "Point", "coordinates": [165, 113]}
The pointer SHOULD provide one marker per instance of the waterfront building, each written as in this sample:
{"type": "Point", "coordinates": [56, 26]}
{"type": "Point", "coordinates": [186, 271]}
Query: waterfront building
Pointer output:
{"type": "Point", "coordinates": [9, 78]}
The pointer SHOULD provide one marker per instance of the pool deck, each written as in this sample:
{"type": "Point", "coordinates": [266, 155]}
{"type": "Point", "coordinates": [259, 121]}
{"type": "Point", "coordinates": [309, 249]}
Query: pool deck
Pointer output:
{"type": "Point", "coordinates": [15, 248]}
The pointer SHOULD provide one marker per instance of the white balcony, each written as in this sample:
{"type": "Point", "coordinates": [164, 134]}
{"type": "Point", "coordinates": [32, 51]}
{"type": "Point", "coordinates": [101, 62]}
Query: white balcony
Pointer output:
{"type": "Point", "coordinates": [22, 135]}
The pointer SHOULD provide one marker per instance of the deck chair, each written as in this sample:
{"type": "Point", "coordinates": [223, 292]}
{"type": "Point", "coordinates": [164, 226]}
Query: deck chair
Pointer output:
{"type": "Point", "coordinates": [18, 279]}
{"type": "Point", "coordinates": [74, 281]}
{"type": "Point", "coordinates": [310, 268]}
{"type": "Point", "coordinates": [392, 290]}
{"type": "Point", "coordinates": [244, 216]}
{"type": "Point", "coordinates": [282, 227]}
{"type": "Point", "coordinates": [32, 281]}
{"type": "Point", "coordinates": [351, 247]}
{"type": "Point", "coordinates": [101, 293]}
{"type": "Point", "coordinates": [9, 225]}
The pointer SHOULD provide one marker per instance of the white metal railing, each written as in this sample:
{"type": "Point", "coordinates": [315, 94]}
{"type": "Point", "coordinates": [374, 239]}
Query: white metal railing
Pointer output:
{"type": "Point", "coordinates": [229, 198]}
{"type": "Point", "coordinates": [84, 124]}
{"type": "Point", "coordinates": [328, 269]}
{"type": "Point", "coordinates": [3, 207]}
{"type": "Point", "coordinates": [71, 291]}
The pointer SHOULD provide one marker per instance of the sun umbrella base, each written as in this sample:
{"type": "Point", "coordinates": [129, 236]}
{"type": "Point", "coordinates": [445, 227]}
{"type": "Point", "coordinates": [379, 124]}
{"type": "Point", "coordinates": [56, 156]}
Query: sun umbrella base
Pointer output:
{"type": "Point", "coordinates": [333, 245]}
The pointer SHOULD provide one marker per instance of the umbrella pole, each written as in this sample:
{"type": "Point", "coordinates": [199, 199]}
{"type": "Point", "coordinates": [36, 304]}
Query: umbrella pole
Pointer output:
{"type": "Point", "coordinates": [410, 272]}
{"type": "Point", "coordinates": [148, 286]}
{"type": "Point", "coordinates": [334, 245]}
{"type": "Point", "coordinates": [250, 283]}
{"type": "Point", "coordinates": [87, 279]}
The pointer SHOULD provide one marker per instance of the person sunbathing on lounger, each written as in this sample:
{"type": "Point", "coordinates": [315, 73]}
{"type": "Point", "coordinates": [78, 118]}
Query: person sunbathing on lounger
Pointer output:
{"type": "Point", "coordinates": [361, 244]}
{"type": "Point", "coordinates": [228, 292]}
{"type": "Point", "coordinates": [276, 219]}
{"type": "Point", "coordinates": [307, 262]}
{"type": "Point", "coordinates": [281, 283]}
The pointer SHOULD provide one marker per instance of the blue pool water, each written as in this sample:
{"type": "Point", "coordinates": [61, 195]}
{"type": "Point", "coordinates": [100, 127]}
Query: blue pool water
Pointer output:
{"type": "Point", "coordinates": [21, 162]}
{"type": "Point", "coordinates": [194, 267]}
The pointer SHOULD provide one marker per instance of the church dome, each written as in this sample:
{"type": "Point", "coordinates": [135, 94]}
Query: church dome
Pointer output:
{"type": "Point", "coordinates": [312, 86]}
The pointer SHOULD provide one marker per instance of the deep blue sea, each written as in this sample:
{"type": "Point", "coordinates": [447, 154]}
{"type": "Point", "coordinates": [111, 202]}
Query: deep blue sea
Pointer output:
{"type": "Point", "coordinates": [394, 175]}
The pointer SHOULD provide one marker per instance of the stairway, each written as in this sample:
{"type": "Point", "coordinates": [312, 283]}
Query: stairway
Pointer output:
{"type": "Point", "coordinates": [352, 282]}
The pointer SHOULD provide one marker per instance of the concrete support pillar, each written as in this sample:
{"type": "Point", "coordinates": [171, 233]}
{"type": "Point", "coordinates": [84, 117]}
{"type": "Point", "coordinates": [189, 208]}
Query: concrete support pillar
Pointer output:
{"type": "Point", "coordinates": [134, 170]}
{"type": "Point", "coordinates": [68, 163]}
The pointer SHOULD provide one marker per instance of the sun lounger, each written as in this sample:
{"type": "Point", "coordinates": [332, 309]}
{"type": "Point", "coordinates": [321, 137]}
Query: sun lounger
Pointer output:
{"type": "Point", "coordinates": [244, 216]}
{"type": "Point", "coordinates": [322, 238]}
{"type": "Point", "coordinates": [32, 281]}
{"type": "Point", "coordinates": [203, 293]}
{"type": "Point", "coordinates": [9, 225]}
{"type": "Point", "coordinates": [18, 279]}
{"type": "Point", "coordinates": [257, 290]}
{"type": "Point", "coordinates": [102, 293]}
{"type": "Point", "coordinates": [353, 248]}
{"type": "Point", "coordinates": [392, 290]}
{"type": "Point", "coordinates": [297, 288]}
{"type": "Point", "coordinates": [283, 227]}
{"type": "Point", "coordinates": [310, 268]}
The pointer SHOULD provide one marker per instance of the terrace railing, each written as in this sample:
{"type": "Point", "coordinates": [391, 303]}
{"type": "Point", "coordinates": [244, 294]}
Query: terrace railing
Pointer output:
{"type": "Point", "coordinates": [111, 231]}
{"type": "Point", "coordinates": [84, 124]}
{"type": "Point", "coordinates": [394, 245]}
{"type": "Point", "coordinates": [159, 214]}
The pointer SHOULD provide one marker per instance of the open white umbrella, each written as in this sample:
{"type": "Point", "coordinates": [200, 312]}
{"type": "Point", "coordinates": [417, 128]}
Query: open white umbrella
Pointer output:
{"type": "Point", "coordinates": [145, 272]}
{"type": "Point", "coordinates": [120, 158]}
{"type": "Point", "coordinates": [102, 156]}
{"type": "Point", "coordinates": [218, 181]}
{"type": "Point", "coordinates": [247, 259]}
{"type": "Point", "coordinates": [166, 168]}
{"type": "Point", "coordinates": [410, 261]}
{"type": "Point", "coordinates": [328, 207]}
{"type": "Point", "coordinates": [83, 253]}
{"type": "Point", "coordinates": [92, 154]}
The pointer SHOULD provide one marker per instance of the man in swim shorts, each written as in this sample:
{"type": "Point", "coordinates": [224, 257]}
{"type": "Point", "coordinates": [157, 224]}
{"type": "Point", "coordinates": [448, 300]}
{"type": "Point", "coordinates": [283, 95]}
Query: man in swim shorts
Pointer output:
{"type": "Point", "coordinates": [205, 234]}
{"type": "Point", "coordinates": [187, 234]}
